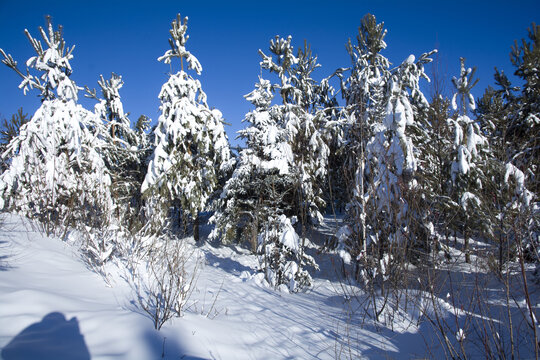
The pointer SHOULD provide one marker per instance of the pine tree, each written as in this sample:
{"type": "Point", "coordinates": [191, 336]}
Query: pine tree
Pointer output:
{"type": "Point", "coordinates": [467, 164]}
{"type": "Point", "coordinates": [304, 122]}
{"type": "Point", "coordinates": [191, 147]}
{"type": "Point", "coordinates": [124, 151]}
{"type": "Point", "coordinates": [142, 125]}
{"type": "Point", "coordinates": [382, 105]}
{"type": "Point", "coordinates": [279, 174]}
{"type": "Point", "coordinates": [56, 173]}
{"type": "Point", "coordinates": [435, 164]}
{"type": "Point", "coordinates": [10, 129]}
{"type": "Point", "coordinates": [240, 208]}
{"type": "Point", "coordinates": [524, 127]}
{"type": "Point", "coordinates": [493, 117]}
{"type": "Point", "coordinates": [363, 92]}
{"type": "Point", "coordinates": [508, 115]}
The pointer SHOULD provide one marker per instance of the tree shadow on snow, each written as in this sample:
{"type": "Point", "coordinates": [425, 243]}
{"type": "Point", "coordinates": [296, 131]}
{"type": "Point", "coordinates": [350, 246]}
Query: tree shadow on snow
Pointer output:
{"type": "Point", "coordinates": [166, 347]}
{"type": "Point", "coordinates": [4, 266]}
{"type": "Point", "coordinates": [4, 248]}
{"type": "Point", "coordinates": [227, 264]}
{"type": "Point", "coordinates": [54, 337]}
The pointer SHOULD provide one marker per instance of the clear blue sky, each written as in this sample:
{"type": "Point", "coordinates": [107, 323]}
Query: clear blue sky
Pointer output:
{"type": "Point", "coordinates": [126, 37]}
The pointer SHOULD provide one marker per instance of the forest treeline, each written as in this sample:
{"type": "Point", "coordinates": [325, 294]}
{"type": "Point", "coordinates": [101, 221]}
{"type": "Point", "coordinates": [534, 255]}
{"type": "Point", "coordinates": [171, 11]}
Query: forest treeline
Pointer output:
{"type": "Point", "coordinates": [409, 173]}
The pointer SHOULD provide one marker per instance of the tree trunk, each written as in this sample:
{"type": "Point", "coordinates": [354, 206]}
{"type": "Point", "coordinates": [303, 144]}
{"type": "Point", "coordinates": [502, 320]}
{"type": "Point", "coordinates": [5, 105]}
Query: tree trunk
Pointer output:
{"type": "Point", "coordinates": [196, 228]}
{"type": "Point", "coordinates": [466, 243]}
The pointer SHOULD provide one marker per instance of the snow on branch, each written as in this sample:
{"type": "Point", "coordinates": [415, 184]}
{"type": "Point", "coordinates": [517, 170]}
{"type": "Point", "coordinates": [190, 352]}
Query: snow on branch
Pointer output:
{"type": "Point", "coordinates": [178, 46]}
{"type": "Point", "coordinates": [53, 62]}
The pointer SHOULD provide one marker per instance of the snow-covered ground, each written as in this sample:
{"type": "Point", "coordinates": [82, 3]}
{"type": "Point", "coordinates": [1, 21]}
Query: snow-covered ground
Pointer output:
{"type": "Point", "coordinates": [53, 307]}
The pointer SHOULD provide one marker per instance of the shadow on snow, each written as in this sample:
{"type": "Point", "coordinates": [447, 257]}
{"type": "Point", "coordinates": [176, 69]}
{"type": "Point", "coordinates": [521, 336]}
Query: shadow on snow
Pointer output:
{"type": "Point", "coordinates": [54, 337]}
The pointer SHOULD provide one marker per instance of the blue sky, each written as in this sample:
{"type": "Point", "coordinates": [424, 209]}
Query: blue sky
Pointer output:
{"type": "Point", "coordinates": [126, 37]}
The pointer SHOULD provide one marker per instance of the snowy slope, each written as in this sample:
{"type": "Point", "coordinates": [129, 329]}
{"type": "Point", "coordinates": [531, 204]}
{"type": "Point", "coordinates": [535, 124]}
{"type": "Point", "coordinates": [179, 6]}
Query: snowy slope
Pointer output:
{"type": "Point", "coordinates": [51, 305]}
{"type": "Point", "coordinates": [44, 284]}
{"type": "Point", "coordinates": [42, 276]}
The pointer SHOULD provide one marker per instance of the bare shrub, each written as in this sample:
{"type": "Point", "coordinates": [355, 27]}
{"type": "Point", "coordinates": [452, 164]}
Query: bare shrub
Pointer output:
{"type": "Point", "coordinates": [479, 313]}
{"type": "Point", "coordinates": [96, 250]}
{"type": "Point", "coordinates": [164, 287]}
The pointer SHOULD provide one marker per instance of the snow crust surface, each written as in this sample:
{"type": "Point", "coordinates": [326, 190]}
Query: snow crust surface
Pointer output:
{"type": "Point", "coordinates": [53, 307]}
{"type": "Point", "coordinates": [232, 314]}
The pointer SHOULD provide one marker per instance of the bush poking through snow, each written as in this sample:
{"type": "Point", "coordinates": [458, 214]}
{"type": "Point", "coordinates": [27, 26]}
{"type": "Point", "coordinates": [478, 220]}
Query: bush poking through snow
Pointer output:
{"type": "Point", "coordinates": [164, 286]}
{"type": "Point", "coordinates": [98, 248]}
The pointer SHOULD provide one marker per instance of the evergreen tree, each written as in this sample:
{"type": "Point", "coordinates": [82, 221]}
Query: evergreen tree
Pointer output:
{"type": "Point", "coordinates": [509, 117]}
{"type": "Point", "coordinates": [241, 207]}
{"type": "Point", "coordinates": [142, 125]}
{"type": "Point", "coordinates": [304, 122]}
{"type": "Point", "coordinates": [255, 205]}
{"type": "Point", "coordinates": [124, 151]}
{"type": "Point", "coordinates": [191, 147]}
{"type": "Point", "coordinates": [466, 171]}
{"type": "Point", "coordinates": [10, 129]}
{"type": "Point", "coordinates": [497, 195]}
{"type": "Point", "coordinates": [435, 164]}
{"type": "Point", "coordinates": [363, 92]}
{"type": "Point", "coordinates": [279, 176]}
{"type": "Point", "coordinates": [524, 127]}
{"type": "Point", "coordinates": [382, 105]}
{"type": "Point", "coordinates": [56, 173]}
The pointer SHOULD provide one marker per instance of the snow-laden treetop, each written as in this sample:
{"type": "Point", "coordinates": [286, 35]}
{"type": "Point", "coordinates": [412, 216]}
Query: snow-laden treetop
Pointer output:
{"type": "Point", "coordinates": [178, 46]}
{"type": "Point", "coordinates": [53, 62]}
{"type": "Point", "coordinates": [110, 89]}
{"type": "Point", "coordinates": [463, 86]}
{"type": "Point", "coordinates": [283, 51]}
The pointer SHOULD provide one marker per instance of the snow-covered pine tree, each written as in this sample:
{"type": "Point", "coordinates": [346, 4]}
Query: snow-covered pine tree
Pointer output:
{"type": "Point", "coordinates": [305, 122]}
{"type": "Point", "coordinates": [512, 216]}
{"type": "Point", "coordinates": [524, 135]}
{"type": "Point", "coordinates": [524, 129]}
{"type": "Point", "coordinates": [363, 91]}
{"type": "Point", "coordinates": [240, 207]}
{"type": "Point", "coordinates": [124, 151]}
{"type": "Point", "coordinates": [382, 103]}
{"type": "Point", "coordinates": [191, 147]}
{"type": "Point", "coordinates": [405, 132]}
{"type": "Point", "coordinates": [56, 173]}
{"type": "Point", "coordinates": [279, 174]}
{"type": "Point", "coordinates": [255, 204]}
{"type": "Point", "coordinates": [466, 170]}
{"type": "Point", "coordinates": [500, 208]}
{"type": "Point", "coordinates": [390, 172]}
{"type": "Point", "coordinates": [435, 144]}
